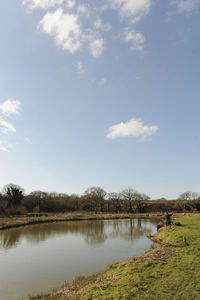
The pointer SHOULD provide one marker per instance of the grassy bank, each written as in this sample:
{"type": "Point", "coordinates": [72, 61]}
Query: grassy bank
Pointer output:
{"type": "Point", "coordinates": [171, 271]}
{"type": "Point", "coordinates": [13, 221]}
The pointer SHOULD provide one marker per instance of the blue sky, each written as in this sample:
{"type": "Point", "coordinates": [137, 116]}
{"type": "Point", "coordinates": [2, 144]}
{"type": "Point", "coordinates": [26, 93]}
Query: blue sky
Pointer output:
{"type": "Point", "coordinates": [100, 93]}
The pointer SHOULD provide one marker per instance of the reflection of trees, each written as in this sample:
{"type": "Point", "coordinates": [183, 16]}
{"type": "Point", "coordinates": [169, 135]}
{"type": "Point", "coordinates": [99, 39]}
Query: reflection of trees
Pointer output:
{"type": "Point", "coordinates": [9, 238]}
{"type": "Point", "coordinates": [131, 229]}
{"type": "Point", "coordinates": [94, 232]}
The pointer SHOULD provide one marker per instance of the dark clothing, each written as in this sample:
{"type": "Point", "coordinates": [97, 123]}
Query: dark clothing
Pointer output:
{"type": "Point", "coordinates": [168, 219]}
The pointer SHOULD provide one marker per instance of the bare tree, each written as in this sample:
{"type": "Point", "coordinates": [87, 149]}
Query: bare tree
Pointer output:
{"type": "Point", "coordinates": [97, 196]}
{"type": "Point", "coordinates": [39, 194]}
{"type": "Point", "coordinates": [134, 199]}
{"type": "Point", "coordinates": [145, 197]}
{"type": "Point", "coordinates": [195, 195]}
{"type": "Point", "coordinates": [116, 200]}
{"type": "Point", "coordinates": [131, 196]}
{"type": "Point", "coordinates": [188, 196]}
{"type": "Point", "coordinates": [76, 200]}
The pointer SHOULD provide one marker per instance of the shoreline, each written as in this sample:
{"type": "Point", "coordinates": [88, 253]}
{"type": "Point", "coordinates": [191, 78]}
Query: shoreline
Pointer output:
{"type": "Point", "coordinates": [162, 273]}
{"type": "Point", "coordinates": [15, 222]}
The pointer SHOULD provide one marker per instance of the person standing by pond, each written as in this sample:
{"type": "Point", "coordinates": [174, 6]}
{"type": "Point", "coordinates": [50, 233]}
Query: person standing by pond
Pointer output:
{"type": "Point", "coordinates": [168, 218]}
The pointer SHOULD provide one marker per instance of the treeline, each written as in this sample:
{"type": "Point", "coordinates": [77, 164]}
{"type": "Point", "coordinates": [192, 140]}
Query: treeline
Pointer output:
{"type": "Point", "coordinates": [14, 201]}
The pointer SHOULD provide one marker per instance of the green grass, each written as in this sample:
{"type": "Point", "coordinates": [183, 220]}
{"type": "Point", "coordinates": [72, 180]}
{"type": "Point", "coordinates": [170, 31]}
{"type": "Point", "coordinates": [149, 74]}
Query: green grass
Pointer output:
{"type": "Point", "coordinates": [171, 271]}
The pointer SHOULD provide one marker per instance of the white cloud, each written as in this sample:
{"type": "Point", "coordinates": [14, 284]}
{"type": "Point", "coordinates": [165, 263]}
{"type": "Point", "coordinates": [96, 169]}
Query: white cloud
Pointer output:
{"type": "Point", "coordinates": [184, 5]}
{"type": "Point", "coordinates": [6, 126]}
{"type": "Point", "coordinates": [136, 39]}
{"type": "Point", "coordinates": [99, 25]}
{"type": "Point", "coordinates": [132, 128]}
{"type": "Point", "coordinates": [102, 81]}
{"type": "Point", "coordinates": [72, 32]}
{"type": "Point", "coordinates": [66, 31]}
{"type": "Point", "coordinates": [4, 149]}
{"type": "Point", "coordinates": [96, 47]}
{"type": "Point", "coordinates": [64, 28]}
{"type": "Point", "coordinates": [80, 67]}
{"type": "Point", "coordinates": [133, 9]}
{"type": "Point", "coordinates": [10, 107]}
{"type": "Point", "coordinates": [44, 4]}
{"type": "Point", "coordinates": [82, 9]}
{"type": "Point", "coordinates": [70, 4]}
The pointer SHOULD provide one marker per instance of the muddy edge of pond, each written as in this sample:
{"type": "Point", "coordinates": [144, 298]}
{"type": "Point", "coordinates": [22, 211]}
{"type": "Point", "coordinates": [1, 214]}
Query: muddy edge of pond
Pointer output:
{"type": "Point", "coordinates": [19, 221]}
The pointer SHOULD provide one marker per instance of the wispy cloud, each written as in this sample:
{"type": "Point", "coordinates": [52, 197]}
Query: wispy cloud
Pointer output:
{"type": "Point", "coordinates": [82, 9]}
{"type": "Point", "coordinates": [44, 4]}
{"type": "Point", "coordinates": [6, 126]}
{"type": "Point", "coordinates": [134, 10]}
{"type": "Point", "coordinates": [136, 39]}
{"type": "Point", "coordinates": [71, 4]}
{"type": "Point", "coordinates": [10, 107]}
{"type": "Point", "coordinates": [100, 26]}
{"type": "Point", "coordinates": [132, 128]}
{"type": "Point", "coordinates": [96, 47]}
{"type": "Point", "coordinates": [80, 66]}
{"type": "Point", "coordinates": [3, 148]}
{"type": "Point", "coordinates": [184, 6]}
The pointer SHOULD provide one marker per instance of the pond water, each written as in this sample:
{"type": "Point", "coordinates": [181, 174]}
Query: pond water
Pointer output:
{"type": "Point", "coordinates": [39, 258]}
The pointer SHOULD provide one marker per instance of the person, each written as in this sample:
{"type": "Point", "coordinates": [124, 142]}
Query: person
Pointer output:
{"type": "Point", "coordinates": [168, 218]}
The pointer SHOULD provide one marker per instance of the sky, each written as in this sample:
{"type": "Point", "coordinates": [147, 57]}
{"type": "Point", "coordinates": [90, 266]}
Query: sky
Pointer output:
{"type": "Point", "coordinates": [100, 93]}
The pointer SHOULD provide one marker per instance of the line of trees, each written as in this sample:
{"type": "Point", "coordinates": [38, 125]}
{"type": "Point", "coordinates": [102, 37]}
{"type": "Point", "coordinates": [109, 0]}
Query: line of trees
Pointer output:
{"type": "Point", "coordinates": [95, 199]}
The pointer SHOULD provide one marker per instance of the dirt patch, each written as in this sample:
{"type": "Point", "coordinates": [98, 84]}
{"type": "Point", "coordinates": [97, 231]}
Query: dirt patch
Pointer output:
{"type": "Point", "coordinates": [157, 254]}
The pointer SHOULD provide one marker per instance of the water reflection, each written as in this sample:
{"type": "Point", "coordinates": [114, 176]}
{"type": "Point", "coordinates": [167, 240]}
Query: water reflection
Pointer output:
{"type": "Point", "coordinates": [38, 258]}
{"type": "Point", "coordinates": [93, 232]}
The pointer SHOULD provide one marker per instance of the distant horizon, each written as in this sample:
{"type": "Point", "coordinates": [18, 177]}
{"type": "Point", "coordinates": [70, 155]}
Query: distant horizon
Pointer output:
{"type": "Point", "coordinates": [100, 93]}
{"type": "Point", "coordinates": [82, 193]}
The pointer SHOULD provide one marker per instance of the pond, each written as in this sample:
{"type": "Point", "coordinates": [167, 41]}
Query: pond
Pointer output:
{"type": "Point", "coordinates": [39, 258]}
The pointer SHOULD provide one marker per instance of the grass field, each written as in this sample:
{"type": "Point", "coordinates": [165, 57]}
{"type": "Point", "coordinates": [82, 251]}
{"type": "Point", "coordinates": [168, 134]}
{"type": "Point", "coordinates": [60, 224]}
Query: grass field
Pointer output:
{"type": "Point", "coordinates": [171, 271]}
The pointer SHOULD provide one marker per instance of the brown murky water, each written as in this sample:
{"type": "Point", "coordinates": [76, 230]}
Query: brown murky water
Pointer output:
{"type": "Point", "coordinates": [39, 258]}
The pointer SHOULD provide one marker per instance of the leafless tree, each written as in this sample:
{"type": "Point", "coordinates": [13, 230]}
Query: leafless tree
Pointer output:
{"type": "Point", "coordinates": [97, 196]}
